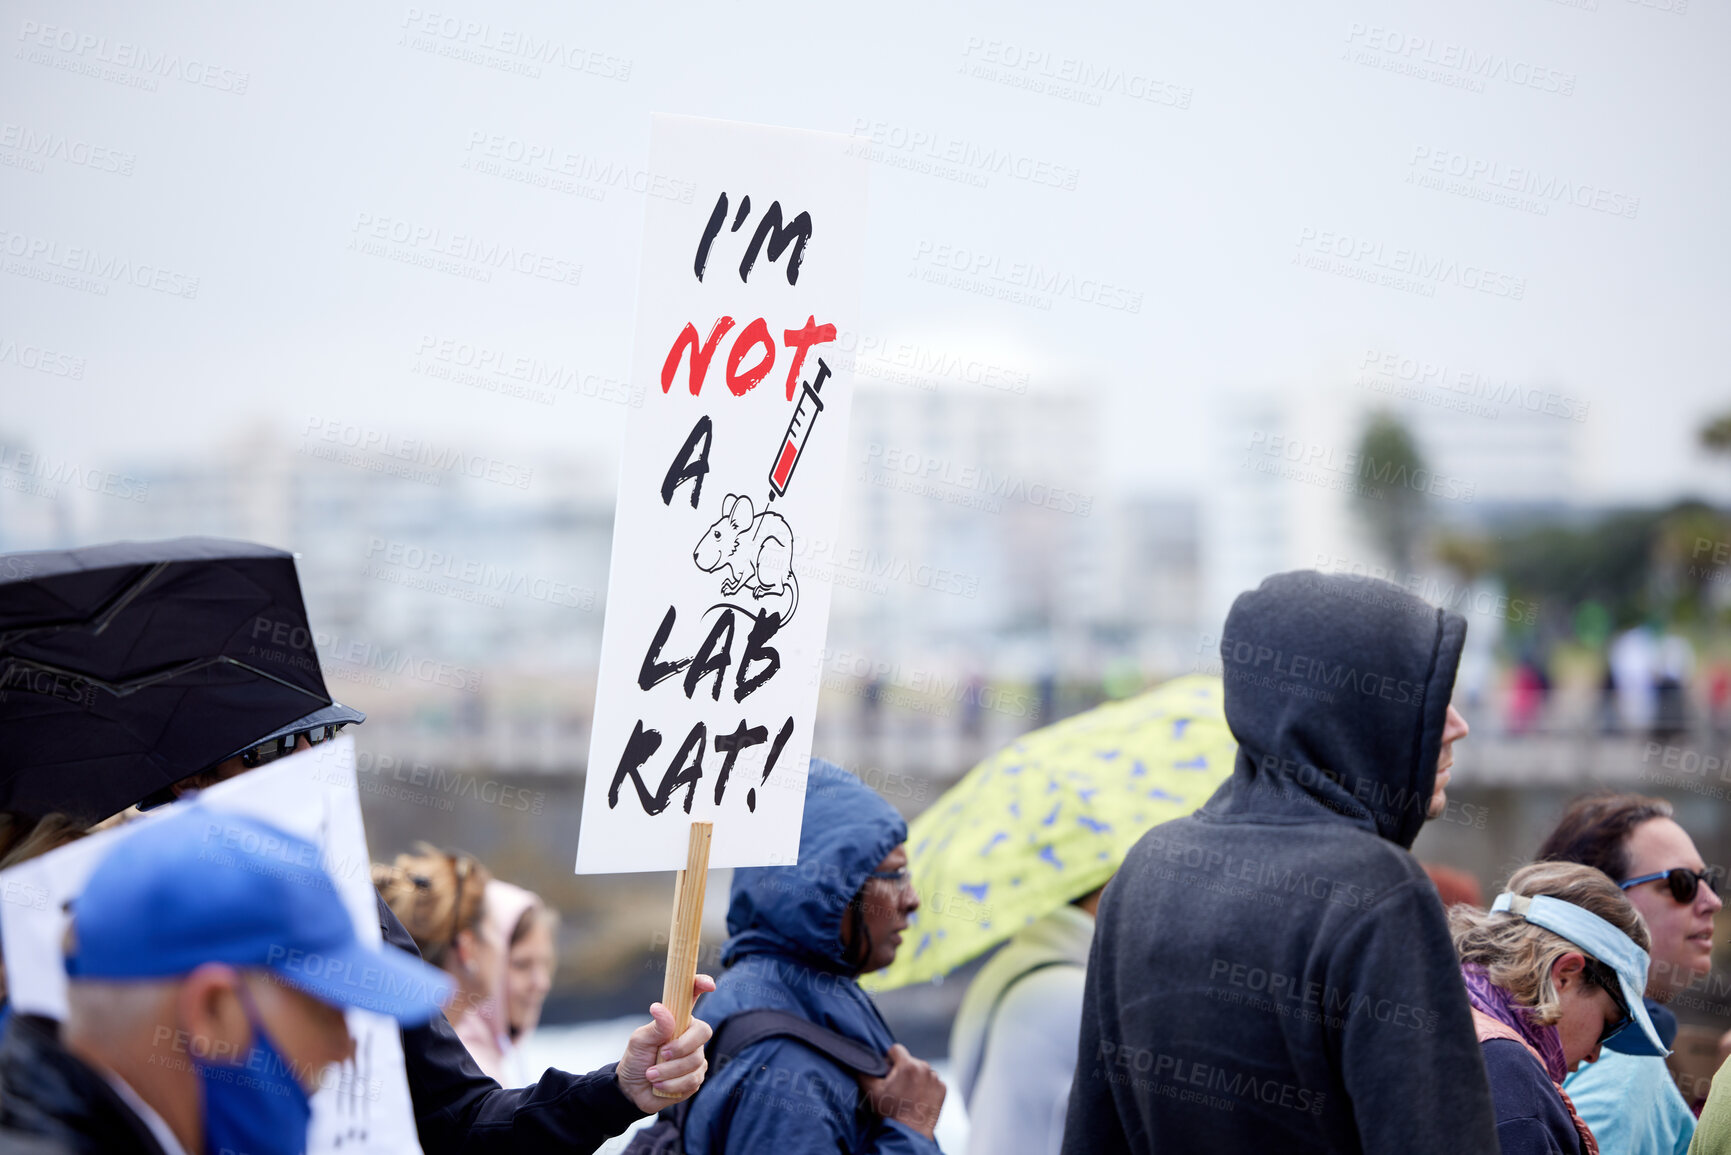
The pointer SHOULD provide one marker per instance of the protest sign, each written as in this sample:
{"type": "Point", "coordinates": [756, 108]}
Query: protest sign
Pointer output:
{"type": "Point", "coordinates": [362, 1106]}
{"type": "Point", "coordinates": [715, 625]}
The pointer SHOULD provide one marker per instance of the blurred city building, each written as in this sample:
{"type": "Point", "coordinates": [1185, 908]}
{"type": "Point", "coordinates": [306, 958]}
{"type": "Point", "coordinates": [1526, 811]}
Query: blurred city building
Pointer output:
{"type": "Point", "coordinates": [979, 573]}
{"type": "Point", "coordinates": [984, 577]}
{"type": "Point", "coordinates": [1290, 479]}
{"type": "Point", "coordinates": [982, 574]}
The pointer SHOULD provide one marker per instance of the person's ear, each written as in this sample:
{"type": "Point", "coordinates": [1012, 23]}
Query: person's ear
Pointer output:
{"type": "Point", "coordinates": [1568, 970]}
{"type": "Point", "coordinates": [211, 1013]}
{"type": "Point", "coordinates": [468, 950]}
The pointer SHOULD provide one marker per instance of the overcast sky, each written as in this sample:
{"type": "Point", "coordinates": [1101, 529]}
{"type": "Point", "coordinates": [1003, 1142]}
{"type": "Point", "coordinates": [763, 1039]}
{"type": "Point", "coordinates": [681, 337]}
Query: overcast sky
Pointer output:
{"type": "Point", "coordinates": [1192, 157]}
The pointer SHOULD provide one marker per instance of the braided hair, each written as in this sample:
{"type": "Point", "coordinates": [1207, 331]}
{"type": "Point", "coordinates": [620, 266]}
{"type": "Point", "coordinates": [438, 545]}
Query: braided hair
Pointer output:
{"type": "Point", "coordinates": [436, 895]}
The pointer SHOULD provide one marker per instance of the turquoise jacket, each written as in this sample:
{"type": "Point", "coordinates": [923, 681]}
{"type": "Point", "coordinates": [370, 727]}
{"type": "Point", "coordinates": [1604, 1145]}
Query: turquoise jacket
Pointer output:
{"type": "Point", "coordinates": [1631, 1102]}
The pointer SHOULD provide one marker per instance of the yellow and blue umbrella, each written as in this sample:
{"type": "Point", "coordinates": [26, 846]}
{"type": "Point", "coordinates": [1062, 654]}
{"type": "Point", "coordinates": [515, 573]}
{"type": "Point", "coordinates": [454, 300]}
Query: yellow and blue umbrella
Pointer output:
{"type": "Point", "coordinates": [1050, 817]}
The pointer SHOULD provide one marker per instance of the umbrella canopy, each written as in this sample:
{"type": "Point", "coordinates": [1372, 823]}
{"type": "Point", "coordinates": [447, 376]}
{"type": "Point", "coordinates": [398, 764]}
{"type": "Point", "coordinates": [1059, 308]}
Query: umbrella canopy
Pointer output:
{"type": "Point", "coordinates": [126, 667]}
{"type": "Point", "coordinates": [1050, 817]}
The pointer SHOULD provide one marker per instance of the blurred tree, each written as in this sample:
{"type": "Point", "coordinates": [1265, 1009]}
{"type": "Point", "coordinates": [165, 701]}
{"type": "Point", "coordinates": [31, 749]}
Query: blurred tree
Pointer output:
{"type": "Point", "coordinates": [1390, 496]}
{"type": "Point", "coordinates": [1592, 625]}
{"type": "Point", "coordinates": [1561, 566]}
{"type": "Point", "coordinates": [1716, 434]}
{"type": "Point", "coordinates": [1689, 539]}
{"type": "Point", "coordinates": [1467, 555]}
{"type": "Point", "coordinates": [1630, 564]}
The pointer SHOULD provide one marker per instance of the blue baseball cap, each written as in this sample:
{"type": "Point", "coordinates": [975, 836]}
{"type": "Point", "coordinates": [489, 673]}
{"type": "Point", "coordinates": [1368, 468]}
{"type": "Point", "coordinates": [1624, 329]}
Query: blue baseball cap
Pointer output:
{"type": "Point", "coordinates": [1603, 941]}
{"type": "Point", "coordinates": [204, 886]}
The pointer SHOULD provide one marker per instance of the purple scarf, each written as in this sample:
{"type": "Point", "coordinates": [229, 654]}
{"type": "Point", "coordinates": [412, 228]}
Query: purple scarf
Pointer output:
{"type": "Point", "coordinates": [1494, 1001]}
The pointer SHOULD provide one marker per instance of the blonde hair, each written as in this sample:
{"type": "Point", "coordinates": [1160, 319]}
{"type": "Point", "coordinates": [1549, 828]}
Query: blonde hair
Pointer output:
{"type": "Point", "coordinates": [1517, 955]}
{"type": "Point", "coordinates": [436, 895]}
{"type": "Point", "coordinates": [26, 839]}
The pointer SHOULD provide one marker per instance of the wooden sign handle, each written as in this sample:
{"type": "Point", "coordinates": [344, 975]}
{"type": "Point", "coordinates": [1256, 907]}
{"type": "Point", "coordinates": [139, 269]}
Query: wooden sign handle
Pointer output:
{"type": "Point", "coordinates": [685, 934]}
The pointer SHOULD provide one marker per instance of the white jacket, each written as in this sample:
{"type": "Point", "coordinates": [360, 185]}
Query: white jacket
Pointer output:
{"type": "Point", "coordinates": [1014, 1072]}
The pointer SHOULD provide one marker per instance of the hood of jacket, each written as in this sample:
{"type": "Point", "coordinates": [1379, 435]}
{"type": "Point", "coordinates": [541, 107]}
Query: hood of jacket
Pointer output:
{"type": "Point", "coordinates": [796, 911]}
{"type": "Point", "coordinates": [503, 906]}
{"type": "Point", "coordinates": [1337, 689]}
{"type": "Point", "coordinates": [485, 1027]}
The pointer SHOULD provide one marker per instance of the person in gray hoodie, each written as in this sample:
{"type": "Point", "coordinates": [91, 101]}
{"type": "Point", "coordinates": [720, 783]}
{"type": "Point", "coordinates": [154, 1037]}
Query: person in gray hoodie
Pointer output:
{"type": "Point", "coordinates": [1274, 972]}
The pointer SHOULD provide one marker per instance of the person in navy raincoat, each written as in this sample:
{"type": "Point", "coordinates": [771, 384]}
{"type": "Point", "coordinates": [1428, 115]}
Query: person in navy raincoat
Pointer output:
{"type": "Point", "coordinates": [799, 936]}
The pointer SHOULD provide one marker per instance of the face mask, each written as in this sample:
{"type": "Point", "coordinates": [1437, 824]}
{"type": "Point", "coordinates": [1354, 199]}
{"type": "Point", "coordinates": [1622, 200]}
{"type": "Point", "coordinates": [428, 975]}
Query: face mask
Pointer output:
{"type": "Point", "coordinates": [256, 1107]}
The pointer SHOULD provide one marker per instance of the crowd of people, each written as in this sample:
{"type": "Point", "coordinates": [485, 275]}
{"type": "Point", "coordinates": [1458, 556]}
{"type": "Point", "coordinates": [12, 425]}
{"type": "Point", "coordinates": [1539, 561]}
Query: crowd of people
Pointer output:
{"type": "Point", "coordinates": [1273, 972]}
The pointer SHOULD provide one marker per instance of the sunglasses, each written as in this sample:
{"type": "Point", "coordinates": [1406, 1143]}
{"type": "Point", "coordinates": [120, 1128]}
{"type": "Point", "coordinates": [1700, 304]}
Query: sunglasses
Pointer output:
{"type": "Point", "coordinates": [1684, 883]}
{"type": "Point", "coordinates": [1605, 979]}
{"type": "Point", "coordinates": [270, 750]}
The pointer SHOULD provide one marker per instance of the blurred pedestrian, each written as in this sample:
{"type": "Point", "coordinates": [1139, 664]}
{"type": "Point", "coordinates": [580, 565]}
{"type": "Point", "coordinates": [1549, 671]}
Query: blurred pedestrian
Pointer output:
{"type": "Point", "coordinates": [194, 1022]}
{"type": "Point", "coordinates": [1633, 662]}
{"type": "Point", "coordinates": [1016, 856]}
{"type": "Point", "coordinates": [529, 968]}
{"type": "Point", "coordinates": [440, 897]}
{"type": "Point", "coordinates": [1274, 972]}
{"type": "Point", "coordinates": [1010, 1046]}
{"type": "Point", "coordinates": [973, 708]}
{"type": "Point", "coordinates": [469, 923]}
{"type": "Point", "coordinates": [1627, 1095]}
{"type": "Point", "coordinates": [799, 936]}
{"type": "Point", "coordinates": [1718, 678]}
{"type": "Point", "coordinates": [1608, 709]}
{"type": "Point", "coordinates": [1554, 970]}
{"type": "Point", "coordinates": [1674, 669]}
{"type": "Point", "coordinates": [1529, 687]}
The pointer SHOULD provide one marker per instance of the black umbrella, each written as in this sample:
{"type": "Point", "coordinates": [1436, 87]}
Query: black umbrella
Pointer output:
{"type": "Point", "coordinates": [126, 667]}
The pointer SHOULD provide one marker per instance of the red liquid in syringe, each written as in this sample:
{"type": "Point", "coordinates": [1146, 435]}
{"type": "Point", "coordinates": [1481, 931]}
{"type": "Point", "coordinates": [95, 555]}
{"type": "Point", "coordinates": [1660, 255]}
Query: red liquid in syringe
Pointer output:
{"type": "Point", "coordinates": [798, 429]}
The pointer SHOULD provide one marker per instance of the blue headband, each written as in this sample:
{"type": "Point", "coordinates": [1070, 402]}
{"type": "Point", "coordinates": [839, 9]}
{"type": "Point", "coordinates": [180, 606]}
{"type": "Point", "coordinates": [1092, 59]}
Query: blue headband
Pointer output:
{"type": "Point", "coordinates": [1601, 940]}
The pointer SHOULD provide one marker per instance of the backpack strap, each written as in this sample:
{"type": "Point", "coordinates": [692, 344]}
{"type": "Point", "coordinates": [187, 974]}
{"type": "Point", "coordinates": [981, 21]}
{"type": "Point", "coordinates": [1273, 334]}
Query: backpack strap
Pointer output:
{"type": "Point", "coordinates": [742, 1030]}
{"type": "Point", "coordinates": [747, 1027]}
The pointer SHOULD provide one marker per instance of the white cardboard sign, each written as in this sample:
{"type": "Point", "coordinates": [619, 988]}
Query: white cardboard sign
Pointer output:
{"type": "Point", "coordinates": [362, 1106]}
{"type": "Point", "coordinates": [715, 625]}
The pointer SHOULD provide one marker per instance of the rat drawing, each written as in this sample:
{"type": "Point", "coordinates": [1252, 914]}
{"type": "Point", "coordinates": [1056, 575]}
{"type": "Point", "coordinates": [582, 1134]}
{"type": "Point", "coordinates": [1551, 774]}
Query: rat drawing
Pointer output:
{"type": "Point", "coordinates": [757, 553]}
